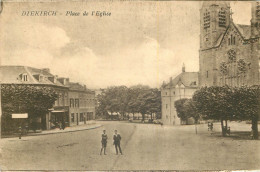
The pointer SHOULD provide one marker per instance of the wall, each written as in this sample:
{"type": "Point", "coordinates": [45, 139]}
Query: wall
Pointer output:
{"type": "Point", "coordinates": [169, 96]}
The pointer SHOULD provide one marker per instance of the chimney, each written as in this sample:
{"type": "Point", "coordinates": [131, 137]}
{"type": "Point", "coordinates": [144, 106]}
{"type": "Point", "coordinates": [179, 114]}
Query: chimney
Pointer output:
{"type": "Point", "coordinates": [183, 67]}
{"type": "Point", "coordinates": [46, 70]}
{"type": "Point", "coordinates": [170, 81]}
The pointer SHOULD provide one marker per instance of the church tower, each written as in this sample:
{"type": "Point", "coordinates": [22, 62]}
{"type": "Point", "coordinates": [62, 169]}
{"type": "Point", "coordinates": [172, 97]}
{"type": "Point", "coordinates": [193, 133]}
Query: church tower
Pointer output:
{"type": "Point", "coordinates": [255, 21]}
{"type": "Point", "coordinates": [255, 41]}
{"type": "Point", "coordinates": [214, 20]}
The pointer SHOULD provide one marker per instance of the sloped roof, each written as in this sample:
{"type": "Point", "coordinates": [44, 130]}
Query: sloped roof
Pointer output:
{"type": "Point", "coordinates": [209, 3]}
{"type": "Point", "coordinates": [245, 30]}
{"type": "Point", "coordinates": [11, 75]}
{"type": "Point", "coordinates": [188, 79]}
{"type": "Point", "coordinates": [78, 87]}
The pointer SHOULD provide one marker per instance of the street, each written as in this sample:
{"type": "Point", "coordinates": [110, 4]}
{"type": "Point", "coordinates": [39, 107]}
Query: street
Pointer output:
{"type": "Point", "coordinates": [144, 146]}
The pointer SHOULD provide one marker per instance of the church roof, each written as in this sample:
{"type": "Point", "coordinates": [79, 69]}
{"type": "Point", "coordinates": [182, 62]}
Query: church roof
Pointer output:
{"type": "Point", "coordinates": [188, 79]}
{"type": "Point", "coordinates": [245, 30]}
{"type": "Point", "coordinates": [210, 3]}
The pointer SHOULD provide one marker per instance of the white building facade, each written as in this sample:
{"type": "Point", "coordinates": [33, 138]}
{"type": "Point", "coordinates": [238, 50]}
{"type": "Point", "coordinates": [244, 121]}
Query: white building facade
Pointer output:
{"type": "Point", "coordinates": [182, 86]}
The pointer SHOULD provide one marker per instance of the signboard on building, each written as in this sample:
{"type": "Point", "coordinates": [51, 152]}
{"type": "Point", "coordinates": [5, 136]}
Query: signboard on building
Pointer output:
{"type": "Point", "coordinates": [20, 115]}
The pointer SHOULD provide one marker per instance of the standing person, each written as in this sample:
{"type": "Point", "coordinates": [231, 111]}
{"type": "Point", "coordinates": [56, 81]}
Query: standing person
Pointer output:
{"type": "Point", "coordinates": [104, 142]}
{"type": "Point", "coordinates": [63, 123]}
{"type": "Point", "coordinates": [117, 139]}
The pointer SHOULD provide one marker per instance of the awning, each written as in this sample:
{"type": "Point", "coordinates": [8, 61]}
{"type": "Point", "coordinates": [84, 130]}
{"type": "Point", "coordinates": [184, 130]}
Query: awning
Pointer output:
{"type": "Point", "coordinates": [57, 111]}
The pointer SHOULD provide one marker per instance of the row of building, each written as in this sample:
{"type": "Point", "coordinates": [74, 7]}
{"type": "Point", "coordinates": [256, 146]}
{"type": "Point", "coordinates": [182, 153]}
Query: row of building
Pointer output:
{"type": "Point", "coordinates": [75, 104]}
{"type": "Point", "coordinates": [229, 55]}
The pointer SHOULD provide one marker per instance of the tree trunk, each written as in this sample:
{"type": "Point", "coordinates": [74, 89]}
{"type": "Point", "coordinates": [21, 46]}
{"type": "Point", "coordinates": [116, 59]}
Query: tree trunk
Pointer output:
{"type": "Point", "coordinates": [222, 128]}
{"type": "Point", "coordinates": [133, 116]}
{"type": "Point", "coordinates": [151, 115]}
{"type": "Point", "coordinates": [142, 117]}
{"type": "Point", "coordinates": [255, 127]}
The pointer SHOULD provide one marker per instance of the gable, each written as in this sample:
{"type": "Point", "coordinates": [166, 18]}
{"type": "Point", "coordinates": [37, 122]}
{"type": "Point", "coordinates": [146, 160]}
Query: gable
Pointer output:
{"type": "Point", "coordinates": [232, 36]}
{"type": "Point", "coordinates": [242, 32]}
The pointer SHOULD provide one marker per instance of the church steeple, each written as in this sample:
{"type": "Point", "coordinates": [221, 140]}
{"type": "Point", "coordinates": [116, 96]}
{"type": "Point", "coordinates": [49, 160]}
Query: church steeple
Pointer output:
{"type": "Point", "coordinates": [214, 20]}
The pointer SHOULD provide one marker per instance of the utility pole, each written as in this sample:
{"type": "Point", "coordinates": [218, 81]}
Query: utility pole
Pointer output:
{"type": "Point", "coordinates": [0, 111]}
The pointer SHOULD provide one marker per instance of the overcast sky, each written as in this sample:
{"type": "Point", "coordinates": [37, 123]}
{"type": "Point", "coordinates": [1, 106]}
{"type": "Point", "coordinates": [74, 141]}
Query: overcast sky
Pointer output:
{"type": "Point", "coordinates": [140, 43]}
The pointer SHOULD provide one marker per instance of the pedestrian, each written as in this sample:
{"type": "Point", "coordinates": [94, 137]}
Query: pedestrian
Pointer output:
{"type": "Point", "coordinates": [117, 139]}
{"type": "Point", "coordinates": [104, 142]}
{"type": "Point", "coordinates": [63, 124]}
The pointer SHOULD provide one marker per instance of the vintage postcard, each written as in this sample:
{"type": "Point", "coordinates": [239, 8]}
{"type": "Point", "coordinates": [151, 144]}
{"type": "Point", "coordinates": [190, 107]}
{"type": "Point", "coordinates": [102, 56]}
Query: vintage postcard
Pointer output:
{"type": "Point", "coordinates": [129, 85]}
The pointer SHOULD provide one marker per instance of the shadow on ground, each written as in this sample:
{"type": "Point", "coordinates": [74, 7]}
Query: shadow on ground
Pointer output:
{"type": "Point", "coordinates": [236, 135]}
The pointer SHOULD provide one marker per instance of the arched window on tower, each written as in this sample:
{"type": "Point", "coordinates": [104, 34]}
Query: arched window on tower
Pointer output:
{"type": "Point", "coordinates": [206, 19]}
{"type": "Point", "coordinates": [222, 18]}
{"type": "Point", "coordinates": [232, 40]}
{"type": "Point", "coordinates": [257, 9]}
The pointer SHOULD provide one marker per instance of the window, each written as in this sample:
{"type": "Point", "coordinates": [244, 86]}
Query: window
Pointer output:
{"type": "Point", "coordinates": [173, 92]}
{"type": "Point", "coordinates": [72, 117]}
{"type": "Point", "coordinates": [222, 18]}
{"type": "Point", "coordinates": [66, 99]}
{"type": "Point", "coordinates": [25, 77]}
{"type": "Point", "coordinates": [232, 40]}
{"type": "Point", "coordinates": [71, 102]}
{"type": "Point", "coordinates": [165, 93]}
{"type": "Point", "coordinates": [231, 55]}
{"type": "Point", "coordinates": [81, 117]}
{"type": "Point", "coordinates": [40, 78]}
{"type": "Point", "coordinates": [207, 74]}
{"type": "Point", "coordinates": [166, 106]}
{"type": "Point", "coordinates": [76, 102]}
{"type": "Point", "coordinates": [206, 20]}
{"type": "Point", "coordinates": [258, 9]}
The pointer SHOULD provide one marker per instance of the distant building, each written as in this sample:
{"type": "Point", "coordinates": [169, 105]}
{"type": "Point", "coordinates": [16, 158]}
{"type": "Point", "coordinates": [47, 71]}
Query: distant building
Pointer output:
{"type": "Point", "coordinates": [82, 104]}
{"type": "Point", "coordinates": [182, 86]}
{"type": "Point", "coordinates": [40, 77]}
{"type": "Point", "coordinates": [229, 52]}
{"type": "Point", "coordinates": [75, 103]}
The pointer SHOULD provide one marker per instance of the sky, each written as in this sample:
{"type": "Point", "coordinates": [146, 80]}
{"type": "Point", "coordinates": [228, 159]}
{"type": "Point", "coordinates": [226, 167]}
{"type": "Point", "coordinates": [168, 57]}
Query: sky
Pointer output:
{"type": "Point", "coordinates": [142, 42]}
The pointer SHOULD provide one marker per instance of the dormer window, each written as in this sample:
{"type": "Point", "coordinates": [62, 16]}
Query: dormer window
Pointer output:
{"type": "Point", "coordinates": [24, 77]}
{"type": "Point", "coordinates": [40, 78]}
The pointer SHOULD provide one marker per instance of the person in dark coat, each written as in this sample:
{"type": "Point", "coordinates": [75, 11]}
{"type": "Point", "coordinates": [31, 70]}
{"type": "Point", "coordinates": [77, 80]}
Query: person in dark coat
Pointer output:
{"type": "Point", "coordinates": [117, 139]}
{"type": "Point", "coordinates": [104, 142]}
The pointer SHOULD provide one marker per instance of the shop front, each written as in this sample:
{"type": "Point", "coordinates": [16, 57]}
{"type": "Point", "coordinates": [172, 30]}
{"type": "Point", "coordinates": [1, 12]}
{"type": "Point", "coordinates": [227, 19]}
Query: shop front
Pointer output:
{"type": "Point", "coordinates": [58, 117]}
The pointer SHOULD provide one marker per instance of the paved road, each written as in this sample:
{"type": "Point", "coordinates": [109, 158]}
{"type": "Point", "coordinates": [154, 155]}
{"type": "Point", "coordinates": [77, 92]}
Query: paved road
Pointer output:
{"type": "Point", "coordinates": [145, 147]}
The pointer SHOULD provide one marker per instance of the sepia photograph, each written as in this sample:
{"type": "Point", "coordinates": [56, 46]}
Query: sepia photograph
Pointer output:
{"type": "Point", "coordinates": [129, 85]}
